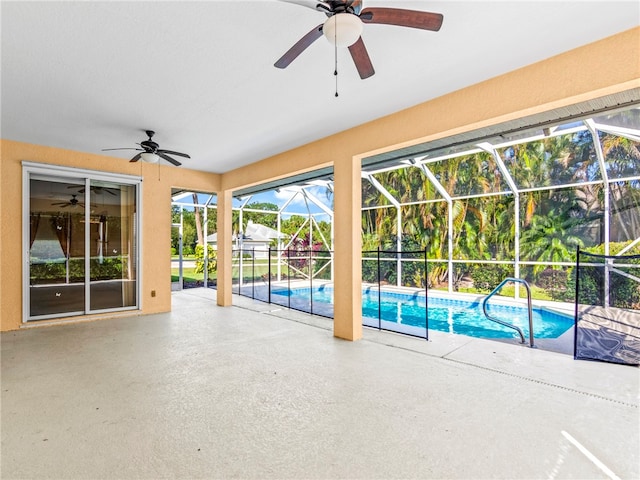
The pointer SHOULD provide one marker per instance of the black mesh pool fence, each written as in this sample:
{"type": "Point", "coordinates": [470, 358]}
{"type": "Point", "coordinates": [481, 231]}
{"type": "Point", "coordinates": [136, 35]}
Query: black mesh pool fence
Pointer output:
{"type": "Point", "coordinates": [607, 308]}
{"type": "Point", "coordinates": [301, 279]}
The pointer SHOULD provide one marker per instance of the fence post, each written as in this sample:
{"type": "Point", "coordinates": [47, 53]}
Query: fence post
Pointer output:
{"type": "Point", "coordinates": [311, 280]}
{"type": "Point", "coordinates": [288, 278]}
{"type": "Point", "coordinates": [426, 296]}
{"type": "Point", "coordinates": [253, 273]}
{"type": "Point", "coordinates": [239, 279]}
{"type": "Point", "coordinates": [379, 294]}
{"type": "Point", "coordinates": [269, 276]}
{"type": "Point", "coordinates": [575, 319]}
{"type": "Point", "coordinates": [240, 269]}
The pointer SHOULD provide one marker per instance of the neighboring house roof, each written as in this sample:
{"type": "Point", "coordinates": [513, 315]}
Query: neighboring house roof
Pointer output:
{"type": "Point", "coordinates": [254, 232]}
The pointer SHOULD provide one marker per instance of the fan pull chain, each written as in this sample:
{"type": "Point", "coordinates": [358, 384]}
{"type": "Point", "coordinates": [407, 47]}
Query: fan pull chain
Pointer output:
{"type": "Point", "coordinates": [335, 56]}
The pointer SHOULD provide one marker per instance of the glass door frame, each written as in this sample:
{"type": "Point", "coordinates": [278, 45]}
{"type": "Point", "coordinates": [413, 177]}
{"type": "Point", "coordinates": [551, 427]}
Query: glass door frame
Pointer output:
{"type": "Point", "coordinates": [39, 171]}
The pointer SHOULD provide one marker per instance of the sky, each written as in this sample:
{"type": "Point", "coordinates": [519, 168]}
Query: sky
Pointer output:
{"type": "Point", "coordinates": [296, 205]}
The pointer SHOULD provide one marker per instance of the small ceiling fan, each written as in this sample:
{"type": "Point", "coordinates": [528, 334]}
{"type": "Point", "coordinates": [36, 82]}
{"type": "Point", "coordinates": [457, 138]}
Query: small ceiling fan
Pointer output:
{"type": "Point", "coordinates": [98, 190]}
{"type": "Point", "coordinates": [344, 25]}
{"type": "Point", "coordinates": [151, 151]}
{"type": "Point", "coordinates": [73, 202]}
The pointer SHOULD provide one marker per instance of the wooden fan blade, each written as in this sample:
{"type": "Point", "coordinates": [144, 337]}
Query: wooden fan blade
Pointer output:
{"type": "Point", "coordinates": [171, 152]}
{"type": "Point", "coordinates": [109, 149]}
{"type": "Point", "coordinates": [361, 59]}
{"type": "Point", "coordinates": [299, 47]}
{"type": "Point", "coordinates": [136, 158]}
{"type": "Point", "coordinates": [403, 18]}
{"type": "Point", "coordinates": [168, 158]}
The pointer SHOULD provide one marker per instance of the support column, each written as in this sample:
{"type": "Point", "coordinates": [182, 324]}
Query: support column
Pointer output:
{"type": "Point", "coordinates": [347, 292]}
{"type": "Point", "coordinates": [225, 245]}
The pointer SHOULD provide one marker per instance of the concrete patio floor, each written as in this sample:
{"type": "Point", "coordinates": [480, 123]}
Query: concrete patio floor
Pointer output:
{"type": "Point", "coordinates": [256, 391]}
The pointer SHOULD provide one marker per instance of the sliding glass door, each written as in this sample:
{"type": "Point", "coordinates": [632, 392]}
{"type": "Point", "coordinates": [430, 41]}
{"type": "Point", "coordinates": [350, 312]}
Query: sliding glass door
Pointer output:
{"type": "Point", "coordinates": [56, 248]}
{"type": "Point", "coordinates": [81, 244]}
{"type": "Point", "coordinates": [112, 266]}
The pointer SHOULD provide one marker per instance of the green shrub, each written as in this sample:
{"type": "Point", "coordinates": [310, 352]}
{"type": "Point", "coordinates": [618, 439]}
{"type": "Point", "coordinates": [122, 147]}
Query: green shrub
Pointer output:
{"type": "Point", "coordinates": [47, 272]}
{"type": "Point", "coordinates": [591, 286]}
{"type": "Point", "coordinates": [624, 292]}
{"type": "Point", "coordinates": [486, 277]}
{"type": "Point", "coordinates": [614, 248]}
{"type": "Point", "coordinates": [554, 282]}
{"type": "Point", "coordinates": [211, 256]}
{"type": "Point", "coordinates": [110, 268]}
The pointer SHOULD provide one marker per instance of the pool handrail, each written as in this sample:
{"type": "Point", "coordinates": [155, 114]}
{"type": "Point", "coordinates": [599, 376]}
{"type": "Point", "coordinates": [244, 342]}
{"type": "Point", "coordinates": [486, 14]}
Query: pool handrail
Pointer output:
{"type": "Point", "coordinates": [529, 308]}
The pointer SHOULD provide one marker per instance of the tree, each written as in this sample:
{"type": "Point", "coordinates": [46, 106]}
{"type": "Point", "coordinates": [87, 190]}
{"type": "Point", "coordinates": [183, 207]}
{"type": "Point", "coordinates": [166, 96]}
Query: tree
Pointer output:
{"type": "Point", "coordinates": [267, 219]}
{"type": "Point", "coordinates": [198, 220]}
{"type": "Point", "coordinates": [550, 238]}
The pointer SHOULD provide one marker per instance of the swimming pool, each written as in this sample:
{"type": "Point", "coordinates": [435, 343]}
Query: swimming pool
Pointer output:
{"type": "Point", "coordinates": [406, 313]}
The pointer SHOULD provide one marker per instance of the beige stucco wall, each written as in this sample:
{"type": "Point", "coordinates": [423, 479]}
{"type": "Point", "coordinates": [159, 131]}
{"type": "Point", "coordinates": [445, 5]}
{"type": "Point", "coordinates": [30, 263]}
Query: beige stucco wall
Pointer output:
{"type": "Point", "coordinates": [608, 66]}
{"type": "Point", "coordinates": [156, 216]}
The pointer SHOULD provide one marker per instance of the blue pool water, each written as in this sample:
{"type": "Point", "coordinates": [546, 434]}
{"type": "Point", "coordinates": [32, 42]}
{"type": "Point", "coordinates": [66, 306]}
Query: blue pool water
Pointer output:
{"type": "Point", "coordinates": [407, 313]}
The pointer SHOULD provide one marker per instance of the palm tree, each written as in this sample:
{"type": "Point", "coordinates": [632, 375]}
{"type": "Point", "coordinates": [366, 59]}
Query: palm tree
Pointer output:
{"type": "Point", "coordinates": [550, 238]}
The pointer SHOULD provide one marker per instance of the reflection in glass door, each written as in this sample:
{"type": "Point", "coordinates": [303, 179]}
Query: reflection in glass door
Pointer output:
{"type": "Point", "coordinates": [176, 259]}
{"type": "Point", "coordinates": [82, 246]}
{"type": "Point", "coordinates": [111, 265]}
{"type": "Point", "coordinates": [56, 248]}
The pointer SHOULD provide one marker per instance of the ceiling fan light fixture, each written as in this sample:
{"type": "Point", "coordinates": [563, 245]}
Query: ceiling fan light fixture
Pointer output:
{"type": "Point", "coordinates": [342, 29]}
{"type": "Point", "coordinates": [149, 157]}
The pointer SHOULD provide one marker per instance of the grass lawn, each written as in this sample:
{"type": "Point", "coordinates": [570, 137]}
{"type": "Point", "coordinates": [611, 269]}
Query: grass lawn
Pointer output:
{"type": "Point", "coordinates": [537, 293]}
{"type": "Point", "coordinates": [188, 275]}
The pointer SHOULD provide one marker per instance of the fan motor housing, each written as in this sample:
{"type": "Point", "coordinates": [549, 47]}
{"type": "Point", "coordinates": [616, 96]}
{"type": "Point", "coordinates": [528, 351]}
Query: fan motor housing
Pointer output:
{"type": "Point", "coordinates": [149, 145]}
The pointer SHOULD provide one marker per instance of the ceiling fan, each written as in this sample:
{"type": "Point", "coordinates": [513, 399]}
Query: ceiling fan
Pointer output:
{"type": "Point", "coordinates": [74, 202]}
{"type": "Point", "coordinates": [97, 189]}
{"type": "Point", "coordinates": [344, 24]}
{"type": "Point", "coordinates": [151, 151]}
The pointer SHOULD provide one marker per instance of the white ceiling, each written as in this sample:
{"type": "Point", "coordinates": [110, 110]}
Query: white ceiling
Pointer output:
{"type": "Point", "coordinates": [91, 75]}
